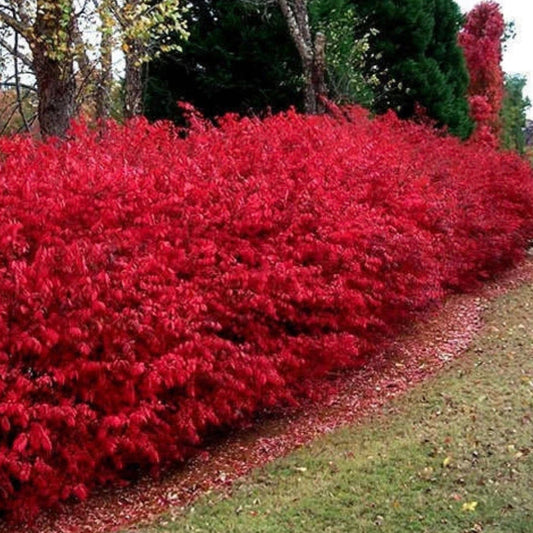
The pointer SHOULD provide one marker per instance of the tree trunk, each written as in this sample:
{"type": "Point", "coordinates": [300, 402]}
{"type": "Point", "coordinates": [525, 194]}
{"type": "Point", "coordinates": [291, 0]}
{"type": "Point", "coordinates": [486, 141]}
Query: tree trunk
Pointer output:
{"type": "Point", "coordinates": [318, 75]}
{"type": "Point", "coordinates": [310, 106]}
{"type": "Point", "coordinates": [133, 89]}
{"type": "Point", "coordinates": [53, 64]}
{"type": "Point", "coordinates": [311, 54]}
{"type": "Point", "coordinates": [105, 79]}
{"type": "Point", "coordinates": [314, 70]}
{"type": "Point", "coordinates": [56, 88]}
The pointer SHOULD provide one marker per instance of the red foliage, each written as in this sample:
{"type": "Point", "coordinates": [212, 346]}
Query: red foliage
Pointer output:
{"type": "Point", "coordinates": [154, 288]}
{"type": "Point", "coordinates": [481, 40]}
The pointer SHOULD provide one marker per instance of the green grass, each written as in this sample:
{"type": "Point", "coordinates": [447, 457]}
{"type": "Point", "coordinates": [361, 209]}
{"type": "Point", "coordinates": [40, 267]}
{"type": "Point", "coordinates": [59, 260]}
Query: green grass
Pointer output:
{"type": "Point", "coordinates": [452, 455]}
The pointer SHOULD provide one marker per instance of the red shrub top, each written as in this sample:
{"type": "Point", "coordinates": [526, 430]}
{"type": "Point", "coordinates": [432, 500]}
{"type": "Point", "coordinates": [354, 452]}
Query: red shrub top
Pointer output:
{"type": "Point", "coordinates": [153, 288]}
{"type": "Point", "coordinates": [481, 40]}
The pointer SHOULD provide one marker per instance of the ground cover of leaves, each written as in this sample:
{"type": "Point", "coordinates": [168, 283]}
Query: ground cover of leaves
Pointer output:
{"type": "Point", "coordinates": [452, 454]}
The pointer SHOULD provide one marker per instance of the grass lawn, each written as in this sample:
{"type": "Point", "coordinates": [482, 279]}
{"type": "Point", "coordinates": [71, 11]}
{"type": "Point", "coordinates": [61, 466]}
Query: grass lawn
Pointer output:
{"type": "Point", "coordinates": [452, 455]}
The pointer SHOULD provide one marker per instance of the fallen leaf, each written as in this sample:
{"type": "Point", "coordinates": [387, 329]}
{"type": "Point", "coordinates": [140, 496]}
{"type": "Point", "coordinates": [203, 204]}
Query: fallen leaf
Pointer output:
{"type": "Point", "coordinates": [300, 469]}
{"type": "Point", "coordinates": [469, 506]}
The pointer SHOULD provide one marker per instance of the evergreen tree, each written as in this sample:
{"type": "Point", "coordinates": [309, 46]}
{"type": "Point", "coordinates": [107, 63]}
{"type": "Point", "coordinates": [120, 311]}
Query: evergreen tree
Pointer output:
{"type": "Point", "coordinates": [418, 58]}
{"type": "Point", "coordinates": [238, 58]}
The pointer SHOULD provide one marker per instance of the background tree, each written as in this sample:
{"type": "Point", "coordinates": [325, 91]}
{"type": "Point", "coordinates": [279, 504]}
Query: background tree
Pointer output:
{"type": "Point", "coordinates": [481, 40]}
{"type": "Point", "coordinates": [408, 60]}
{"type": "Point", "coordinates": [104, 83]}
{"type": "Point", "coordinates": [311, 49]}
{"type": "Point", "coordinates": [146, 29]}
{"type": "Point", "coordinates": [47, 29]}
{"type": "Point", "coordinates": [18, 105]}
{"type": "Point", "coordinates": [418, 59]}
{"type": "Point", "coordinates": [513, 113]}
{"type": "Point", "coordinates": [347, 55]}
{"type": "Point", "coordinates": [451, 109]}
{"type": "Point", "coordinates": [18, 111]}
{"type": "Point", "coordinates": [49, 38]}
{"type": "Point", "coordinates": [239, 58]}
{"type": "Point", "coordinates": [230, 63]}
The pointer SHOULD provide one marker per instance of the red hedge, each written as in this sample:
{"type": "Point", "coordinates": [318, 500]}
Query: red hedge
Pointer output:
{"type": "Point", "coordinates": [153, 288]}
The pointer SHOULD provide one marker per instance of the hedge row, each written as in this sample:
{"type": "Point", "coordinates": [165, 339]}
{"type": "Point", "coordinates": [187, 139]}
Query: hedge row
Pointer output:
{"type": "Point", "coordinates": [154, 287]}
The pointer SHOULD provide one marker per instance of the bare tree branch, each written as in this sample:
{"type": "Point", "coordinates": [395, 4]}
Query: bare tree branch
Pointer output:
{"type": "Point", "coordinates": [9, 118]}
{"type": "Point", "coordinates": [15, 24]}
{"type": "Point", "coordinates": [117, 13]}
{"type": "Point", "coordinates": [12, 113]}
{"type": "Point", "coordinates": [29, 124]}
{"type": "Point", "coordinates": [83, 8]}
{"type": "Point", "coordinates": [29, 88]}
{"type": "Point", "coordinates": [17, 81]}
{"type": "Point", "coordinates": [16, 53]}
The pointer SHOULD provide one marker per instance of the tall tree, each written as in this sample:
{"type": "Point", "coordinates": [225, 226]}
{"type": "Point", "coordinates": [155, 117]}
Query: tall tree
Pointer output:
{"type": "Point", "coordinates": [452, 108]}
{"type": "Point", "coordinates": [513, 113]}
{"type": "Point", "coordinates": [415, 49]}
{"type": "Point", "coordinates": [481, 39]}
{"type": "Point", "coordinates": [51, 44]}
{"type": "Point", "coordinates": [47, 26]}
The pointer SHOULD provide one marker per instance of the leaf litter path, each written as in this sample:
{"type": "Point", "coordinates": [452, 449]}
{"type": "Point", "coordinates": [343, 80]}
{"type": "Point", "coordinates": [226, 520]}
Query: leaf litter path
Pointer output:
{"type": "Point", "coordinates": [431, 343]}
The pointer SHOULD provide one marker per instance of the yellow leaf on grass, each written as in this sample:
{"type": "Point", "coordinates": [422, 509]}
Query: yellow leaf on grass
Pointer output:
{"type": "Point", "coordinates": [469, 506]}
{"type": "Point", "coordinates": [447, 461]}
